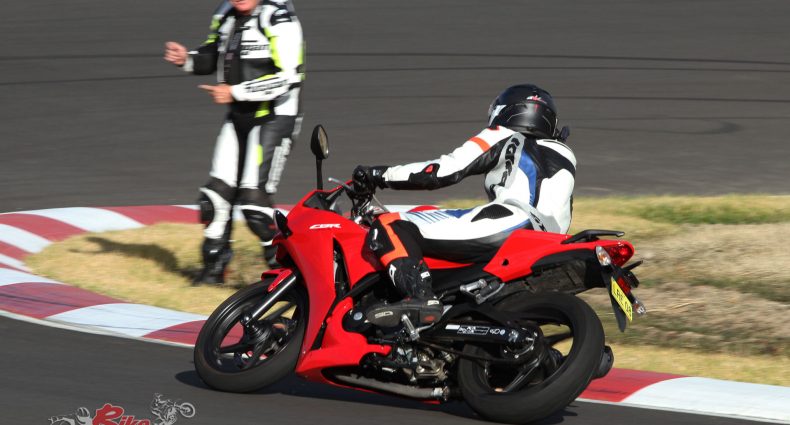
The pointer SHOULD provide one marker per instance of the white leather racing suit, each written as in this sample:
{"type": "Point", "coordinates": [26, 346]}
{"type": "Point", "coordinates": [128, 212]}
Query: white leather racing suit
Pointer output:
{"type": "Point", "coordinates": [529, 183]}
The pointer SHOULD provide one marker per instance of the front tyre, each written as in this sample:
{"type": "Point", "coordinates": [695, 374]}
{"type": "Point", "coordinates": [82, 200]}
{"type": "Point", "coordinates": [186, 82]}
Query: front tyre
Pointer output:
{"type": "Point", "coordinates": [535, 390]}
{"type": "Point", "coordinates": [231, 357]}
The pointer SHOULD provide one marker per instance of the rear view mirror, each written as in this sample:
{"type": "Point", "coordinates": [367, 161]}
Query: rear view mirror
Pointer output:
{"type": "Point", "coordinates": [319, 143]}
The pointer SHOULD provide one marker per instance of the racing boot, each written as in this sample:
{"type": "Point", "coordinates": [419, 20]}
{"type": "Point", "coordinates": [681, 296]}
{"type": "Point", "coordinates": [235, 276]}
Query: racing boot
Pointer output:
{"type": "Point", "coordinates": [420, 305]}
{"type": "Point", "coordinates": [216, 256]}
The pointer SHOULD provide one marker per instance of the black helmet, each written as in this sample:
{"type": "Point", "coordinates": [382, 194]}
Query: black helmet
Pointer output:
{"type": "Point", "coordinates": [525, 108]}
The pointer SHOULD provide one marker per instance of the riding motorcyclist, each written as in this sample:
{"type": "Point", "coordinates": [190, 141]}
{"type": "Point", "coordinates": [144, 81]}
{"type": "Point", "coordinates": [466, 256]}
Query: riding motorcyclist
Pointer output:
{"type": "Point", "coordinates": [529, 178]}
{"type": "Point", "coordinates": [256, 48]}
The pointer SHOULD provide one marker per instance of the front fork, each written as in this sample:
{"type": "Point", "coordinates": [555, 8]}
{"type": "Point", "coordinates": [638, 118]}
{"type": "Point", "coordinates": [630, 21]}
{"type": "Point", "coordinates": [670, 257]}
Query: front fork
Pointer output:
{"type": "Point", "coordinates": [283, 281]}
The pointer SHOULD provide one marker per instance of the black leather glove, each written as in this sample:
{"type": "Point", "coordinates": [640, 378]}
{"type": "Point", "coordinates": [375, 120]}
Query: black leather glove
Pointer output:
{"type": "Point", "coordinates": [367, 179]}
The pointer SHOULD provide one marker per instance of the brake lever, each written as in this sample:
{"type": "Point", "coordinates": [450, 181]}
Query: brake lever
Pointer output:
{"type": "Point", "coordinates": [380, 205]}
{"type": "Point", "coordinates": [341, 183]}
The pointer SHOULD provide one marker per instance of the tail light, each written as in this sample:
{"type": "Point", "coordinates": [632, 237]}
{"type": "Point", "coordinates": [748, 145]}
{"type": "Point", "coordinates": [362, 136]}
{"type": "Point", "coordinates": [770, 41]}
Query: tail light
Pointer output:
{"type": "Point", "coordinates": [619, 252]}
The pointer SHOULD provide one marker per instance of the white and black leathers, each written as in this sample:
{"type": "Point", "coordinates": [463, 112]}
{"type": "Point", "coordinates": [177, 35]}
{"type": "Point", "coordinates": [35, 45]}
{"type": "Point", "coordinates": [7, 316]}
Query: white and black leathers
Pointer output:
{"type": "Point", "coordinates": [261, 57]}
{"type": "Point", "coordinates": [529, 183]}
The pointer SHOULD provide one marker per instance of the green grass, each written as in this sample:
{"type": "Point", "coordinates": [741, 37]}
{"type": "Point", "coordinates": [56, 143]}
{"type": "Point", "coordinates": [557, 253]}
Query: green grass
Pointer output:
{"type": "Point", "coordinates": [730, 209]}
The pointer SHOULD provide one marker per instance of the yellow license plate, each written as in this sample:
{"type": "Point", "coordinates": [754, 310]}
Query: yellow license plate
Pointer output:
{"type": "Point", "coordinates": [622, 300]}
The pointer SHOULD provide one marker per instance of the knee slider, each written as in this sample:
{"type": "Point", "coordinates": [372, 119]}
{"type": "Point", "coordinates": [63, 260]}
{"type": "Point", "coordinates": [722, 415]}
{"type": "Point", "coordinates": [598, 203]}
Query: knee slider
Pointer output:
{"type": "Point", "coordinates": [206, 209]}
{"type": "Point", "coordinates": [215, 197]}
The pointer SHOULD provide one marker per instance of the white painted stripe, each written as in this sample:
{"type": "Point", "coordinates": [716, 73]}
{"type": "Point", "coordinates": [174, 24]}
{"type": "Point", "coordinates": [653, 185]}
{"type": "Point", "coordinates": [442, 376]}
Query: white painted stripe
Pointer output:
{"type": "Point", "coordinates": [86, 330]}
{"type": "Point", "coordinates": [10, 277]}
{"type": "Point", "coordinates": [617, 403]}
{"type": "Point", "coordinates": [712, 395]}
{"type": "Point", "coordinates": [189, 207]}
{"type": "Point", "coordinates": [89, 219]}
{"type": "Point", "coordinates": [126, 319]}
{"type": "Point", "coordinates": [13, 262]}
{"type": "Point", "coordinates": [22, 239]}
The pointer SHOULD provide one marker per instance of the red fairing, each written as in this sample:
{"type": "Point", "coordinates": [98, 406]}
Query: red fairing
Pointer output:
{"type": "Point", "coordinates": [436, 263]}
{"type": "Point", "coordinates": [311, 250]}
{"type": "Point", "coordinates": [311, 244]}
{"type": "Point", "coordinates": [360, 260]}
{"type": "Point", "coordinates": [279, 275]}
{"type": "Point", "coordinates": [423, 208]}
{"type": "Point", "coordinates": [524, 247]}
{"type": "Point", "coordinates": [339, 348]}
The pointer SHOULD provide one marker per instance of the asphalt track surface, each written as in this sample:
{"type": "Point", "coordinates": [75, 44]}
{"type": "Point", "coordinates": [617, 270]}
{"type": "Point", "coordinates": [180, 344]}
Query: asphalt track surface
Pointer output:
{"type": "Point", "coordinates": [68, 370]}
{"type": "Point", "coordinates": [663, 97]}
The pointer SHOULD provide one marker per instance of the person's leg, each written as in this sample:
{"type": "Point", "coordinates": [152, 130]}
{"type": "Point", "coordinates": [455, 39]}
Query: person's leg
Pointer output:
{"type": "Point", "coordinates": [397, 244]}
{"type": "Point", "coordinates": [470, 235]}
{"type": "Point", "coordinates": [268, 149]}
{"type": "Point", "coordinates": [401, 239]}
{"type": "Point", "coordinates": [216, 207]}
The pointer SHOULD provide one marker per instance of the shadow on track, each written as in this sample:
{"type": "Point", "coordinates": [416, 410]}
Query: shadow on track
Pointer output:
{"type": "Point", "coordinates": [294, 386]}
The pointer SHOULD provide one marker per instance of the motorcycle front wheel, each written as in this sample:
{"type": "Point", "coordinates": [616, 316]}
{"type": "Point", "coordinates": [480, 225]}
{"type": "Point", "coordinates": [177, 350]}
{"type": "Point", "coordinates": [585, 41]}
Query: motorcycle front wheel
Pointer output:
{"type": "Point", "coordinates": [572, 341]}
{"type": "Point", "coordinates": [236, 358]}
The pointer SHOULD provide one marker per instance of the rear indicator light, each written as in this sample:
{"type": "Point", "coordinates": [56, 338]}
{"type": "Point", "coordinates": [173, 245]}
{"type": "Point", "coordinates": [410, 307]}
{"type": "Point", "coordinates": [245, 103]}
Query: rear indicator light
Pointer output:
{"type": "Point", "coordinates": [624, 286]}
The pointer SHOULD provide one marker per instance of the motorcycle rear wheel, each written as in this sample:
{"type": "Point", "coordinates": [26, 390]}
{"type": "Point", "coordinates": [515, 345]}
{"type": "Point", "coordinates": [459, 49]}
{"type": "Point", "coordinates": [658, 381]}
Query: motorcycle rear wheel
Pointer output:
{"type": "Point", "coordinates": [229, 358]}
{"type": "Point", "coordinates": [494, 391]}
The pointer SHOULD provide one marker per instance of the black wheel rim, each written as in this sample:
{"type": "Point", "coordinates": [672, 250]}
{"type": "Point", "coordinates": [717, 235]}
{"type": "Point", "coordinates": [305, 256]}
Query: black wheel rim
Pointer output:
{"type": "Point", "coordinates": [544, 362]}
{"type": "Point", "coordinates": [234, 348]}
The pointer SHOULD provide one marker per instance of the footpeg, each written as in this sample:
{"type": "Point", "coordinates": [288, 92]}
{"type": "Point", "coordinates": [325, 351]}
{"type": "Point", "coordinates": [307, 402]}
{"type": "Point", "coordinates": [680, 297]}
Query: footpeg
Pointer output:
{"type": "Point", "coordinates": [481, 290]}
{"type": "Point", "coordinates": [420, 311]}
{"type": "Point", "coordinates": [413, 333]}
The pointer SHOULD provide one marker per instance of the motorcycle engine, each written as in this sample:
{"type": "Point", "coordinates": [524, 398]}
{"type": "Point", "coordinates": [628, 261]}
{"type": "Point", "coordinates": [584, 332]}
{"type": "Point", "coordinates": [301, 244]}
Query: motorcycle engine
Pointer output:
{"type": "Point", "coordinates": [409, 365]}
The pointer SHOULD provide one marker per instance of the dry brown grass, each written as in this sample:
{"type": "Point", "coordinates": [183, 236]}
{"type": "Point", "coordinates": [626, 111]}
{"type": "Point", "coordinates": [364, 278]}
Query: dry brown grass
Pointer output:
{"type": "Point", "coordinates": [153, 265]}
{"type": "Point", "coordinates": [769, 370]}
{"type": "Point", "coordinates": [748, 257]}
{"type": "Point", "coordinates": [703, 318]}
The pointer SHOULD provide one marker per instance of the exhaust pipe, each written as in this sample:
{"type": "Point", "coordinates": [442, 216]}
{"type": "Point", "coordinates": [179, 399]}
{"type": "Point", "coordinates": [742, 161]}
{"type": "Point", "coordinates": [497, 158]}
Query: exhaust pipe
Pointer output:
{"type": "Point", "coordinates": [437, 393]}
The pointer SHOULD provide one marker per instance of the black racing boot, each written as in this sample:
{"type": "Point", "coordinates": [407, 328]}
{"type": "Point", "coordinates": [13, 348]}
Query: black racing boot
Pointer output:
{"type": "Point", "coordinates": [216, 256]}
{"type": "Point", "coordinates": [420, 304]}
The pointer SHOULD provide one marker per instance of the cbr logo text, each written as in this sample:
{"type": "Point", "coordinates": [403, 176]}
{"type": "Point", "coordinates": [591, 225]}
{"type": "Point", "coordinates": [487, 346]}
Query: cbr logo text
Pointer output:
{"type": "Point", "coordinates": [325, 226]}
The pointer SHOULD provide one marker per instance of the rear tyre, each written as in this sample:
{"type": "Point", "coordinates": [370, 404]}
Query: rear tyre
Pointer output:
{"type": "Point", "coordinates": [505, 394]}
{"type": "Point", "coordinates": [229, 357]}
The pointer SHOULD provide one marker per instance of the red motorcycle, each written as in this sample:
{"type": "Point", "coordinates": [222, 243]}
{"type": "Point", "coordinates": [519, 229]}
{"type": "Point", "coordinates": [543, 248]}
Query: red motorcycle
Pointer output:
{"type": "Point", "coordinates": [514, 342]}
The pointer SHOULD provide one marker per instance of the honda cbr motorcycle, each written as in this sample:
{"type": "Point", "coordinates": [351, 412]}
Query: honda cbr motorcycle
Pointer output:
{"type": "Point", "coordinates": [515, 343]}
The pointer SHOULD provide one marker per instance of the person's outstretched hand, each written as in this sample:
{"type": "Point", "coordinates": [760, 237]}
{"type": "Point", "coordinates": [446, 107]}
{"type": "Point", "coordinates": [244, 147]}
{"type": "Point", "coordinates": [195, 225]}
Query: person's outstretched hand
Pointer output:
{"type": "Point", "coordinates": [175, 53]}
{"type": "Point", "coordinates": [221, 92]}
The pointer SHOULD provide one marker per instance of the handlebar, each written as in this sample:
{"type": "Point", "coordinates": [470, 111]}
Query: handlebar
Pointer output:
{"type": "Point", "coordinates": [363, 209]}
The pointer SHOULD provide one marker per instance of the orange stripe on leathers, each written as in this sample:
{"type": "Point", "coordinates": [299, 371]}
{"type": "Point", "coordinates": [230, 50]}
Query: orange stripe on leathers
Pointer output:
{"type": "Point", "coordinates": [480, 142]}
{"type": "Point", "coordinates": [398, 250]}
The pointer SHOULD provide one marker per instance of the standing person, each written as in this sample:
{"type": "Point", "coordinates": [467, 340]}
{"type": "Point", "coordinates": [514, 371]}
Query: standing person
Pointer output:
{"type": "Point", "coordinates": [529, 178]}
{"type": "Point", "coordinates": [257, 50]}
